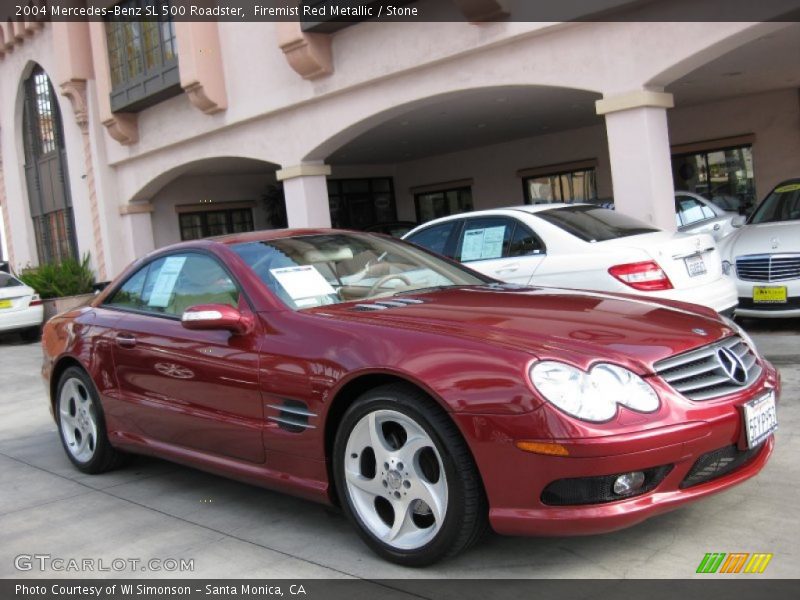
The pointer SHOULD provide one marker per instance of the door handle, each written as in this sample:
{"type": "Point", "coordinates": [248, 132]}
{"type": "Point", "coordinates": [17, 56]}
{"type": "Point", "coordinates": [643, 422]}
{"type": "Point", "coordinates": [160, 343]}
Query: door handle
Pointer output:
{"type": "Point", "coordinates": [125, 340]}
{"type": "Point", "coordinates": [716, 227]}
{"type": "Point", "coordinates": [507, 268]}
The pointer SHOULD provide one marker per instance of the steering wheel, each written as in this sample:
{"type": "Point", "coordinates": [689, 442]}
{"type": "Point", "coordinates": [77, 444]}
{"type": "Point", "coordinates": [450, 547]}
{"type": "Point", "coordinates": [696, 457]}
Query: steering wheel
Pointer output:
{"type": "Point", "coordinates": [378, 284]}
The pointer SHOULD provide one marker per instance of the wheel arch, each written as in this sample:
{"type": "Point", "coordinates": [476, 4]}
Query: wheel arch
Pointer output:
{"type": "Point", "coordinates": [61, 365]}
{"type": "Point", "coordinates": [349, 392]}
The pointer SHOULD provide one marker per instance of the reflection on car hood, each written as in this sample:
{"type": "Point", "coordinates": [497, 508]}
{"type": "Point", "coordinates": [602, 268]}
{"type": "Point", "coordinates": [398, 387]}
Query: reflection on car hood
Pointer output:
{"type": "Point", "coordinates": [549, 322]}
{"type": "Point", "coordinates": [761, 239]}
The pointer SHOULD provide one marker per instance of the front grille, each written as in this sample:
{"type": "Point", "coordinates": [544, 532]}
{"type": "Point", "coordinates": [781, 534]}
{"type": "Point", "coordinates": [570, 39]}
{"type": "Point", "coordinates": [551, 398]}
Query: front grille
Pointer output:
{"type": "Point", "coordinates": [716, 464]}
{"type": "Point", "coordinates": [597, 490]}
{"type": "Point", "coordinates": [768, 267]}
{"type": "Point", "coordinates": [700, 374]}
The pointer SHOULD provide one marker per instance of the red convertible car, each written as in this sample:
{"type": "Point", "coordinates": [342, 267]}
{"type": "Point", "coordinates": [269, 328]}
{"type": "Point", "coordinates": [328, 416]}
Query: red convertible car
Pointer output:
{"type": "Point", "coordinates": [423, 398]}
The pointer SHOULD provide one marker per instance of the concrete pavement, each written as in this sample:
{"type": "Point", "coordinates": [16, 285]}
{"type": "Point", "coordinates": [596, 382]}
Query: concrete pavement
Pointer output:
{"type": "Point", "coordinates": [154, 509]}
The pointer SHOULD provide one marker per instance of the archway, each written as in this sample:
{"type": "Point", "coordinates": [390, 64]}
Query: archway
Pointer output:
{"type": "Point", "coordinates": [470, 149]}
{"type": "Point", "coordinates": [212, 196]}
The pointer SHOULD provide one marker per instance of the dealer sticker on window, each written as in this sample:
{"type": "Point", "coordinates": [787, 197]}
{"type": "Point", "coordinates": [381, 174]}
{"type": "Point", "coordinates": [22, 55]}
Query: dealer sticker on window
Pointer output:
{"type": "Point", "coordinates": [302, 282]}
{"type": "Point", "coordinates": [165, 282]}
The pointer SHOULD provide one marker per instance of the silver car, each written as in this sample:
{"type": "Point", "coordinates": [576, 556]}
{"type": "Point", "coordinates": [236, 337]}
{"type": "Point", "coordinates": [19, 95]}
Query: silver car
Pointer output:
{"type": "Point", "coordinates": [696, 214]}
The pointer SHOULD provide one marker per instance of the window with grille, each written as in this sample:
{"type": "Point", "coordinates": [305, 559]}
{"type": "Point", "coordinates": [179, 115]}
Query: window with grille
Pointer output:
{"type": "Point", "coordinates": [142, 56]}
{"type": "Point", "coordinates": [208, 223]}
{"type": "Point", "coordinates": [441, 203]}
{"type": "Point", "coordinates": [564, 186]}
{"type": "Point", "coordinates": [46, 173]}
{"type": "Point", "coordinates": [361, 203]}
{"type": "Point", "coordinates": [43, 101]}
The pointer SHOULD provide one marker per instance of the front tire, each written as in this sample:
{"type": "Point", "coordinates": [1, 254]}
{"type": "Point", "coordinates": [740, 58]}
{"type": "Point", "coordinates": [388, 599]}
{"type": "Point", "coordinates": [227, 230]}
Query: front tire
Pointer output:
{"type": "Point", "coordinates": [406, 478]}
{"type": "Point", "coordinates": [81, 424]}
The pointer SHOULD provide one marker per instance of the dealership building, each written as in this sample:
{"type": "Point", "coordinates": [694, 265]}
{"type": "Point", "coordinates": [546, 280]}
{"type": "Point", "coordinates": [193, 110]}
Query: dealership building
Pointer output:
{"type": "Point", "coordinates": [120, 137]}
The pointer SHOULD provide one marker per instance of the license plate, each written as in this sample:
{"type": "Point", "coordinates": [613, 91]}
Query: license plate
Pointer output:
{"type": "Point", "coordinates": [695, 265]}
{"type": "Point", "coordinates": [760, 419]}
{"type": "Point", "coordinates": [769, 294]}
{"type": "Point", "coordinates": [5, 303]}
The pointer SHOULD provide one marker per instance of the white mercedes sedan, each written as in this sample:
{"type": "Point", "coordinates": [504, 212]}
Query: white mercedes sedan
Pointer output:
{"type": "Point", "coordinates": [21, 308]}
{"type": "Point", "coordinates": [583, 246]}
{"type": "Point", "coordinates": [763, 256]}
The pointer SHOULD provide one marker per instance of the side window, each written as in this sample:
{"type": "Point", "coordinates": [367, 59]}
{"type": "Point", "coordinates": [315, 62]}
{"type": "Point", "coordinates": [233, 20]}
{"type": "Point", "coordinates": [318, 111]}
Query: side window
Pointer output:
{"type": "Point", "coordinates": [485, 238]}
{"type": "Point", "coordinates": [524, 242]}
{"type": "Point", "coordinates": [130, 294]}
{"type": "Point", "coordinates": [436, 237]}
{"type": "Point", "coordinates": [691, 210]}
{"type": "Point", "coordinates": [171, 284]}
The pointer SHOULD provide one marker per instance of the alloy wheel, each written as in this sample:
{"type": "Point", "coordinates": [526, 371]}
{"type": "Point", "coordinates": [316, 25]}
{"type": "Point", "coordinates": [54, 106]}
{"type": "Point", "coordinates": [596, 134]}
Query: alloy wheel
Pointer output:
{"type": "Point", "coordinates": [78, 420]}
{"type": "Point", "coordinates": [396, 479]}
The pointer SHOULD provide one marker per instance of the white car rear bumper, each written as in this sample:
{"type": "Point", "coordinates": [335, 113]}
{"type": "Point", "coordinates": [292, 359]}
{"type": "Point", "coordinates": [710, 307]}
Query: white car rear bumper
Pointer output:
{"type": "Point", "coordinates": [21, 319]}
{"type": "Point", "coordinates": [720, 295]}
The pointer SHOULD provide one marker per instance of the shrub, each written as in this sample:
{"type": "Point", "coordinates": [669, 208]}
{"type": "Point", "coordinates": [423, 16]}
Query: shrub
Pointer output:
{"type": "Point", "coordinates": [67, 278]}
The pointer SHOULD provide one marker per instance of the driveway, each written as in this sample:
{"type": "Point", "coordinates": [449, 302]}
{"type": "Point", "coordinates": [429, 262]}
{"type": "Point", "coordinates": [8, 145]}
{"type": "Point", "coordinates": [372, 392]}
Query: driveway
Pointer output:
{"type": "Point", "coordinates": [157, 510]}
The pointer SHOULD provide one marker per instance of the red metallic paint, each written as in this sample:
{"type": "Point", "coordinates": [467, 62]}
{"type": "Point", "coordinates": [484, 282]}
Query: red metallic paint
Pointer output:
{"type": "Point", "coordinates": [202, 397]}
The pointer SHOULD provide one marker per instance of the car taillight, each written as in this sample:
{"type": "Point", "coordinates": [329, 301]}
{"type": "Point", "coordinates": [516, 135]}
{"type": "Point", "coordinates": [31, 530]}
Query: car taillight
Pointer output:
{"type": "Point", "coordinates": [645, 276]}
{"type": "Point", "coordinates": [36, 300]}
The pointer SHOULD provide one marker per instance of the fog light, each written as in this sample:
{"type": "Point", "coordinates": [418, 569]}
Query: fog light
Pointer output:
{"type": "Point", "coordinates": [628, 483]}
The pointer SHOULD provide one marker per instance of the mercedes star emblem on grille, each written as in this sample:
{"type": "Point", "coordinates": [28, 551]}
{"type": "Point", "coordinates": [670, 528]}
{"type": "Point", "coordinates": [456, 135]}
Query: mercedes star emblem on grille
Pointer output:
{"type": "Point", "coordinates": [732, 365]}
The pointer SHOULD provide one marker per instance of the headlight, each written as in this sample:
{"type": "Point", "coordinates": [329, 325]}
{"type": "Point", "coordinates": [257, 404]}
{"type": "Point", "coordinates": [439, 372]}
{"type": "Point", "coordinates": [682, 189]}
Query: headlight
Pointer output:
{"type": "Point", "coordinates": [592, 396]}
{"type": "Point", "coordinates": [727, 267]}
{"type": "Point", "coordinates": [741, 333]}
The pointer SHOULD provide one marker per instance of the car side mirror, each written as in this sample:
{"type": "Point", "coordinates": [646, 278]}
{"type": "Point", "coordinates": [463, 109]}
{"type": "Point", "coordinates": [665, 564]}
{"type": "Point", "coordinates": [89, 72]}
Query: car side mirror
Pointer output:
{"type": "Point", "coordinates": [738, 221]}
{"type": "Point", "coordinates": [217, 317]}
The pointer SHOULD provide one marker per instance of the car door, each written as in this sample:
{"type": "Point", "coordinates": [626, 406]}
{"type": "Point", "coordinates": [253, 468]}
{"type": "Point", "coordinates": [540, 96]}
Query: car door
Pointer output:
{"type": "Point", "coordinates": [500, 247]}
{"type": "Point", "coordinates": [196, 389]}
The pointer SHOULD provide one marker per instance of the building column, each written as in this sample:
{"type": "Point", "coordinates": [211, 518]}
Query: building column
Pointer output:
{"type": "Point", "coordinates": [305, 189]}
{"type": "Point", "coordinates": [6, 218]}
{"type": "Point", "coordinates": [639, 150]}
{"type": "Point", "coordinates": [137, 219]}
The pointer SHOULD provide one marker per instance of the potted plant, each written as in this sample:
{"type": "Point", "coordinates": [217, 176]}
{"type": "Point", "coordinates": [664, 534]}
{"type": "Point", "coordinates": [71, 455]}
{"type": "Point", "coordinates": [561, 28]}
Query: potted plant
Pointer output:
{"type": "Point", "coordinates": [62, 286]}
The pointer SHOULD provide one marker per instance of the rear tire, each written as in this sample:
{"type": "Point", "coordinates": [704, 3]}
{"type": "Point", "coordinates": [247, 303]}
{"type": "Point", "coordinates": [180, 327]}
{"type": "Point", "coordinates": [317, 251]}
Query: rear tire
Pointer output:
{"type": "Point", "coordinates": [82, 426]}
{"type": "Point", "coordinates": [406, 478]}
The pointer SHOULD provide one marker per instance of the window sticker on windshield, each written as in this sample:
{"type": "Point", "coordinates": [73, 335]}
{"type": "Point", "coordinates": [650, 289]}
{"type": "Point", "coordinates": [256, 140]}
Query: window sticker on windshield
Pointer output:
{"type": "Point", "coordinates": [792, 187]}
{"type": "Point", "coordinates": [483, 243]}
{"type": "Point", "coordinates": [302, 282]}
{"type": "Point", "coordinates": [165, 283]}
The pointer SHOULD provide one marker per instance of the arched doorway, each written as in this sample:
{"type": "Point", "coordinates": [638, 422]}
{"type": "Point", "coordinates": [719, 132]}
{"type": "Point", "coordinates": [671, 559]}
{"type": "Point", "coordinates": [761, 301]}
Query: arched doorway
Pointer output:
{"type": "Point", "coordinates": [46, 171]}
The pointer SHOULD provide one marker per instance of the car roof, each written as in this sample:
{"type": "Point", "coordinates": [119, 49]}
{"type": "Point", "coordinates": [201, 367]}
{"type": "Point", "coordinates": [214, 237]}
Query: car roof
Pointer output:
{"type": "Point", "coordinates": [501, 210]}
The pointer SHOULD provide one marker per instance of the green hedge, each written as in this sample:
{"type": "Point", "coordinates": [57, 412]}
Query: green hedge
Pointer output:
{"type": "Point", "coordinates": [67, 278]}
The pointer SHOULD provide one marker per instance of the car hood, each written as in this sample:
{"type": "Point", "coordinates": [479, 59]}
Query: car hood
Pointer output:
{"type": "Point", "coordinates": [549, 322]}
{"type": "Point", "coordinates": [760, 239]}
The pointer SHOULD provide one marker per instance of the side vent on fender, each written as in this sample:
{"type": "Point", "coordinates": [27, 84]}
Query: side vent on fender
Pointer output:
{"type": "Point", "coordinates": [293, 416]}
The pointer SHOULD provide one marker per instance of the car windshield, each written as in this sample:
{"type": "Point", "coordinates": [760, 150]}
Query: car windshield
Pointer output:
{"type": "Point", "coordinates": [593, 224]}
{"type": "Point", "coordinates": [7, 280]}
{"type": "Point", "coordinates": [317, 270]}
{"type": "Point", "coordinates": [783, 204]}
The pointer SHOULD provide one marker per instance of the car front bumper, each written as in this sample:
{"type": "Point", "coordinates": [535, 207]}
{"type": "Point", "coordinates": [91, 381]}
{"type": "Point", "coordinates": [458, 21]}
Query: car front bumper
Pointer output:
{"type": "Point", "coordinates": [515, 480]}
{"type": "Point", "coordinates": [748, 308]}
